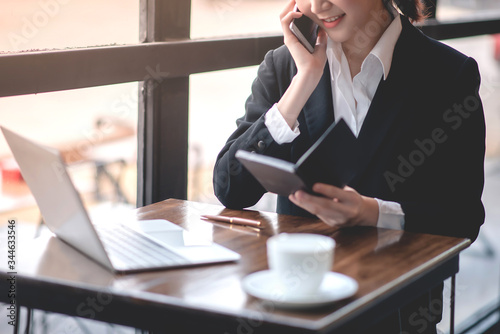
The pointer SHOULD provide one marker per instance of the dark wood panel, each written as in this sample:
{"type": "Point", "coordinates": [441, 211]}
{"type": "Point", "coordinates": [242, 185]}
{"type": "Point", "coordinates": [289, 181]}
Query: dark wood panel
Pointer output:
{"type": "Point", "coordinates": [458, 29]}
{"type": "Point", "coordinates": [164, 136]}
{"type": "Point", "coordinates": [360, 253]}
{"type": "Point", "coordinates": [389, 266]}
{"type": "Point", "coordinates": [164, 108]}
{"type": "Point", "coordinates": [165, 20]}
{"type": "Point", "coordinates": [36, 72]}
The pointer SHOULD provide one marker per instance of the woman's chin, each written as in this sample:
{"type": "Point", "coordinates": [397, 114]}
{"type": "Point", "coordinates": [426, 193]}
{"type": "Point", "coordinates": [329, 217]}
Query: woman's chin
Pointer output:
{"type": "Point", "coordinates": [338, 35]}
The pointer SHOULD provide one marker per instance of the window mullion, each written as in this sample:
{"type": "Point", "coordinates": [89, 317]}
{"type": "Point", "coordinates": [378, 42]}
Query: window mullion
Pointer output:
{"type": "Point", "coordinates": [163, 111]}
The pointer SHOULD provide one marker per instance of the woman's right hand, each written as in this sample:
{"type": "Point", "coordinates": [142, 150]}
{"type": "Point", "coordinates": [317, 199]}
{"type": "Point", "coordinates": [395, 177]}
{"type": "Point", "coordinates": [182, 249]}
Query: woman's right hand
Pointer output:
{"type": "Point", "coordinates": [309, 68]}
{"type": "Point", "coordinates": [307, 64]}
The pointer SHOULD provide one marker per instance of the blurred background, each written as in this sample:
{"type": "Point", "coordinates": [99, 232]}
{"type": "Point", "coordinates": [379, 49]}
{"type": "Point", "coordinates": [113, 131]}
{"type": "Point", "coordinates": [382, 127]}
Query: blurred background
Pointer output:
{"type": "Point", "coordinates": [96, 128]}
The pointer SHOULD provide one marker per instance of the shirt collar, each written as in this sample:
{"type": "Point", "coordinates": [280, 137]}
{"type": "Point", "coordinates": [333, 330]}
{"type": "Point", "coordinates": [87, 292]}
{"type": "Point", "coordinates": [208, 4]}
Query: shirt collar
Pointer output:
{"type": "Point", "coordinates": [383, 50]}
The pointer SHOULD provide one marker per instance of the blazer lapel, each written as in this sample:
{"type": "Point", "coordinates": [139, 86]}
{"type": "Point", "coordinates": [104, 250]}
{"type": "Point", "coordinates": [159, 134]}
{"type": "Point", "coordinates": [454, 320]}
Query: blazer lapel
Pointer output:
{"type": "Point", "coordinates": [318, 110]}
{"type": "Point", "coordinates": [386, 105]}
{"type": "Point", "coordinates": [389, 99]}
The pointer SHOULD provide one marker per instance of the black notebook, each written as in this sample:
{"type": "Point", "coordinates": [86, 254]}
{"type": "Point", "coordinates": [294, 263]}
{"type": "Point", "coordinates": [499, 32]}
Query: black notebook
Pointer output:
{"type": "Point", "coordinates": [331, 160]}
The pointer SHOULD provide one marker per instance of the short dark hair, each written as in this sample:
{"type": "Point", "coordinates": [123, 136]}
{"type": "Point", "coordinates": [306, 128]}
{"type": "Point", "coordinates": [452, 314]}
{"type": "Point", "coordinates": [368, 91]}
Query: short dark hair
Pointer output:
{"type": "Point", "coordinates": [415, 10]}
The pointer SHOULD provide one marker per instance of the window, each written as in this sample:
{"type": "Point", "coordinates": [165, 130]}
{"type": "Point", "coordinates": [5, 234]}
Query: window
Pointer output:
{"type": "Point", "coordinates": [215, 18]}
{"type": "Point", "coordinates": [190, 66]}
{"type": "Point", "coordinates": [209, 100]}
{"type": "Point", "coordinates": [467, 9]}
{"type": "Point", "coordinates": [60, 24]}
{"type": "Point", "coordinates": [94, 128]}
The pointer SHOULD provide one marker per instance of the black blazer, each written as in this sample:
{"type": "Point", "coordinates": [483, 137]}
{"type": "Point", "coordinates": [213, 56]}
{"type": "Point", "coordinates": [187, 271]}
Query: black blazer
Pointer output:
{"type": "Point", "coordinates": [422, 143]}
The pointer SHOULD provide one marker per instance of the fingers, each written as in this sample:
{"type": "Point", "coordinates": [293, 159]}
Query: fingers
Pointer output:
{"type": "Point", "coordinates": [309, 66]}
{"type": "Point", "coordinates": [329, 191]}
{"type": "Point", "coordinates": [340, 194]}
{"type": "Point", "coordinates": [324, 208]}
{"type": "Point", "coordinates": [286, 17]}
{"type": "Point", "coordinates": [338, 207]}
{"type": "Point", "coordinates": [288, 8]}
{"type": "Point", "coordinates": [321, 42]}
{"type": "Point", "coordinates": [315, 204]}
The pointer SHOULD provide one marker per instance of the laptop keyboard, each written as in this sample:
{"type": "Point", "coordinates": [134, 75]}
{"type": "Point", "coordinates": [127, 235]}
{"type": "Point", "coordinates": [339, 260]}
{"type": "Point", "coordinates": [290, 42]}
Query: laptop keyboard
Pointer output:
{"type": "Point", "coordinates": [128, 249]}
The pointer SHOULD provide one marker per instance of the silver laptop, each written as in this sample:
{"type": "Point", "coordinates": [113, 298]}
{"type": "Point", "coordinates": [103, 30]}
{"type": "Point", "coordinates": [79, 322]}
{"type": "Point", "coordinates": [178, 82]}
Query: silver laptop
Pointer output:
{"type": "Point", "coordinates": [120, 247]}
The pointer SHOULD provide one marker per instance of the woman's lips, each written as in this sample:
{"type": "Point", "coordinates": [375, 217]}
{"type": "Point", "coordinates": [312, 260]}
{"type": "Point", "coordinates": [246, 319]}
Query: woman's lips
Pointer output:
{"type": "Point", "coordinates": [333, 21]}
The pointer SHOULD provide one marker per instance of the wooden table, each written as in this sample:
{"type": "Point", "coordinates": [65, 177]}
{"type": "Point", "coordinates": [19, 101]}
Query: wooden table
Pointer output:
{"type": "Point", "coordinates": [390, 266]}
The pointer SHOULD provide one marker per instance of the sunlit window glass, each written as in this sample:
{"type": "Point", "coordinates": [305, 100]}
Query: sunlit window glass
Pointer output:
{"type": "Point", "coordinates": [467, 9]}
{"type": "Point", "coordinates": [59, 24]}
{"type": "Point", "coordinates": [212, 18]}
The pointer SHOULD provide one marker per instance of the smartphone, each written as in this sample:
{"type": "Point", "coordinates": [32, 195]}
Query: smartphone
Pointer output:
{"type": "Point", "coordinates": [305, 30]}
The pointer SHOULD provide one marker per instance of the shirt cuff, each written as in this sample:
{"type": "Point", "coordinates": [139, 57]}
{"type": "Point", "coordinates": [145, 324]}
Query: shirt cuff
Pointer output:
{"type": "Point", "coordinates": [278, 127]}
{"type": "Point", "coordinates": [390, 215]}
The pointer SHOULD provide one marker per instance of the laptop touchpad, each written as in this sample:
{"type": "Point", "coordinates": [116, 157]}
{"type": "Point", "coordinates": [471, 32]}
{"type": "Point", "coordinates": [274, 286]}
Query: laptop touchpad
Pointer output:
{"type": "Point", "coordinates": [170, 234]}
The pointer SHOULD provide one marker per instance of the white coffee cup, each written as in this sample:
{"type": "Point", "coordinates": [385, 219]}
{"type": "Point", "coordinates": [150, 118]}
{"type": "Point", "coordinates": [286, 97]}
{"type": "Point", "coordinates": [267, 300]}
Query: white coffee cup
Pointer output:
{"type": "Point", "coordinates": [300, 261]}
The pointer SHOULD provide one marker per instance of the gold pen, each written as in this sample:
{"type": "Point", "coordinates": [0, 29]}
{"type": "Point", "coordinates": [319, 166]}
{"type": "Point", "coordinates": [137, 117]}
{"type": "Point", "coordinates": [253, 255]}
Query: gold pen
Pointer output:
{"type": "Point", "coordinates": [254, 231]}
{"type": "Point", "coordinates": [234, 220]}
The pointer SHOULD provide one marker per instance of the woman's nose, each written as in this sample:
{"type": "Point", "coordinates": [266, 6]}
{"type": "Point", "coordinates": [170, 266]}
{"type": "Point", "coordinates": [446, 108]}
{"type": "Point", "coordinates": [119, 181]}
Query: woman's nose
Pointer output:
{"type": "Point", "coordinates": [318, 6]}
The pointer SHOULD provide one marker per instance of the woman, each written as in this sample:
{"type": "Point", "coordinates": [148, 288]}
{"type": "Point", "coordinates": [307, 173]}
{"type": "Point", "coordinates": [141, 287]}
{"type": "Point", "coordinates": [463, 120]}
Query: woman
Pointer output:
{"type": "Point", "coordinates": [412, 102]}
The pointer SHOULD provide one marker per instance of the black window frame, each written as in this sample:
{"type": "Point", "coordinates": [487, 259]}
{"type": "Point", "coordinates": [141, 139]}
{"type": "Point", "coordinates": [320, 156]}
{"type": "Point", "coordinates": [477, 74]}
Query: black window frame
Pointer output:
{"type": "Point", "coordinates": [162, 62]}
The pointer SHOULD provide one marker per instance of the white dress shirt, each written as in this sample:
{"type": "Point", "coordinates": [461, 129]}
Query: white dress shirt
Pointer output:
{"type": "Point", "coordinates": [351, 101]}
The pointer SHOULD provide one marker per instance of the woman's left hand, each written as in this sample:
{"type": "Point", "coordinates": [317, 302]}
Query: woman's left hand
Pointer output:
{"type": "Point", "coordinates": [340, 207]}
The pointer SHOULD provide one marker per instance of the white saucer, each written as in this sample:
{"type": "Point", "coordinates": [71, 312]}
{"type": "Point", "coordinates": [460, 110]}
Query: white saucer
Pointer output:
{"type": "Point", "coordinates": [264, 285]}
